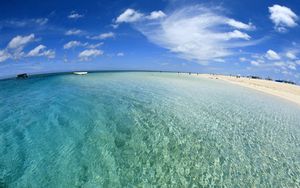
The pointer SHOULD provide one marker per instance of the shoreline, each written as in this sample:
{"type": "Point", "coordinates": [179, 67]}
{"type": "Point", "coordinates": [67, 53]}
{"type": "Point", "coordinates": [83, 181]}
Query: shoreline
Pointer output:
{"type": "Point", "coordinates": [283, 90]}
{"type": "Point", "coordinates": [43, 74]}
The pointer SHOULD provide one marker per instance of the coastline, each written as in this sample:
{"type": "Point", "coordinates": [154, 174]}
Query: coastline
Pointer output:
{"type": "Point", "coordinates": [283, 90]}
{"type": "Point", "coordinates": [286, 91]}
{"type": "Point", "coordinates": [43, 74]}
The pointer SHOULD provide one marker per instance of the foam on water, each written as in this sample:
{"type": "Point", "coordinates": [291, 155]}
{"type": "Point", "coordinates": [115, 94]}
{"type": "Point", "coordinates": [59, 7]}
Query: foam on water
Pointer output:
{"type": "Point", "coordinates": [143, 130]}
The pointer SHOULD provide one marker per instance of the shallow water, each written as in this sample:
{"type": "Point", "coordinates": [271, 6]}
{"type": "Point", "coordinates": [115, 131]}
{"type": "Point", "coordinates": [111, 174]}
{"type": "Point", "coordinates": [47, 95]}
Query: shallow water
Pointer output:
{"type": "Point", "coordinates": [145, 130]}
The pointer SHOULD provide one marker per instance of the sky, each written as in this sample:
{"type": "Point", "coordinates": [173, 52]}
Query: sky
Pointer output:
{"type": "Point", "coordinates": [218, 36]}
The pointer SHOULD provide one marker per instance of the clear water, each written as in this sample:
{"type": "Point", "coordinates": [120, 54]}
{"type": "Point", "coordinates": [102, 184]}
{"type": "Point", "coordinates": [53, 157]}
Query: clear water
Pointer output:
{"type": "Point", "coordinates": [145, 130]}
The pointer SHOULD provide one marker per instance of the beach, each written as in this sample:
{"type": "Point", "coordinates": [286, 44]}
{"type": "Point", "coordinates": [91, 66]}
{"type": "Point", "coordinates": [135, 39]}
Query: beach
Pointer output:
{"type": "Point", "coordinates": [287, 91]}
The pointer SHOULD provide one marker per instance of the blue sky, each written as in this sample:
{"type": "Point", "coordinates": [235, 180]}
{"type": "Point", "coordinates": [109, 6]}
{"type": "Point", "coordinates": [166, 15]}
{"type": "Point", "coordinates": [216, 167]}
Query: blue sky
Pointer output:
{"type": "Point", "coordinates": [229, 36]}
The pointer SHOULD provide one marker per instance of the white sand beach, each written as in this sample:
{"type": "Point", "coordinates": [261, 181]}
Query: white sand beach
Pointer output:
{"type": "Point", "coordinates": [283, 90]}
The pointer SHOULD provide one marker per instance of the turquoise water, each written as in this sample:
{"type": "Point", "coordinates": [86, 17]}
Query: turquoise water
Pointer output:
{"type": "Point", "coordinates": [145, 130]}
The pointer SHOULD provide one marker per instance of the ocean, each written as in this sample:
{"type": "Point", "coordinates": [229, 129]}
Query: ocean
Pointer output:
{"type": "Point", "coordinates": [145, 129]}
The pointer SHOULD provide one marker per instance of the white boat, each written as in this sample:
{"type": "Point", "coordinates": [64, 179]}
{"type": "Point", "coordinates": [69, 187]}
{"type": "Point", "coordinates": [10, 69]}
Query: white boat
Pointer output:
{"type": "Point", "coordinates": [80, 73]}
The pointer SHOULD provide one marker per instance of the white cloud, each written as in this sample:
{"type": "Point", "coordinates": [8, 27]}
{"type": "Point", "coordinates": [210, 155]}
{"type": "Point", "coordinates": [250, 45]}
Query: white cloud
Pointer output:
{"type": "Point", "coordinates": [87, 54]}
{"type": "Point", "coordinates": [120, 54]}
{"type": "Point", "coordinates": [236, 35]}
{"type": "Point", "coordinates": [20, 41]}
{"type": "Point", "coordinates": [129, 15]}
{"type": "Point", "coordinates": [95, 45]}
{"type": "Point", "coordinates": [40, 50]}
{"type": "Point", "coordinates": [282, 17]}
{"type": "Point", "coordinates": [292, 66]}
{"type": "Point", "coordinates": [240, 25]}
{"type": "Point", "coordinates": [242, 59]}
{"type": "Point", "coordinates": [41, 21]}
{"type": "Point", "coordinates": [75, 15]}
{"type": "Point", "coordinates": [36, 51]}
{"type": "Point", "coordinates": [255, 63]}
{"type": "Point", "coordinates": [272, 55]}
{"type": "Point", "coordinates": [73, 32]}
{"type": "Point", "coordinates": [103, 36]}
{"type": "Point", "coordinates": [196, 33]}
{"type": "Point", "coordinates": [291, 55]}
{"type": "Point", "coordinates": [17, 44]}
{"type": "Point", "coordinates": [273, 61]}
{"type": "Point", "coordinates": [286, 65]}
{"type": "Point", "coordinates": [4, 55]}
{"type": "Point", "coordinates": [14, 49]}
{"type": "Point", "coordinates": [15, 23]}
{"type": "Point", "coordinates": [73, 44]}
{"type": "Point", "coordinates": [156, 15]}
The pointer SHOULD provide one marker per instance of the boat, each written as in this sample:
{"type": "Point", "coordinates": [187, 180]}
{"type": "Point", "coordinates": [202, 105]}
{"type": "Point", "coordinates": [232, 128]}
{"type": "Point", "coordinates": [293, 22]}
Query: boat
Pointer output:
{"type": "Point", "coordinates": [22, 76]}
{"type": "Point", "coordinates": [80, 73]}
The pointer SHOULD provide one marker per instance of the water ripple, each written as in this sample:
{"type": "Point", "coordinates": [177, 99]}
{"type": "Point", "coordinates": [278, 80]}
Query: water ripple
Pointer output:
{"type": "Point", "coordinates": [145, 130]}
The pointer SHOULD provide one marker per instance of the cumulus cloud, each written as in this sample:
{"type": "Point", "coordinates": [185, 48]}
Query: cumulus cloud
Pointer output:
{"type": "Point", "coordinates": [85, 55]}
{"type": "Point", "coordinates": [282, 17]}
{"type": "Point", "coordinates": [36, 51]}
{"type": "Point", "coordinates": [288, 65]}
{"type": "Point", "coordinates": [156, 15]}
{"type": "Point", "coordinates": [236, 35]}
{"type": "Point", "coordinates": [197, 33]}
{"type": "Point", "coordinates": [240, 25]}
{"type": "Point", "coordinates": [291, 55]}
{"type": "Point", "coordinates": [40, 50]}
{"type": "Point", "coordinates": [103, 36]}
{"type": "Point", "coordinates": [15, 47]}
{"type": "Point", "coordinates": [73, 44]}
{"type": "Point", "coordinates": [272, 55]}
{"type": "Point", "coordinates": [17, 44]}
{"type": "Point", "coordinates": [20, 41]}
{"type": "Point", "coordinates": [129, 15]}
{"type": "Point", "coordinates": [75, 15]}
{"type": "Point", "coordinates": [272, 61]}
{"type": "Point", "coordinates": [73, 32]}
